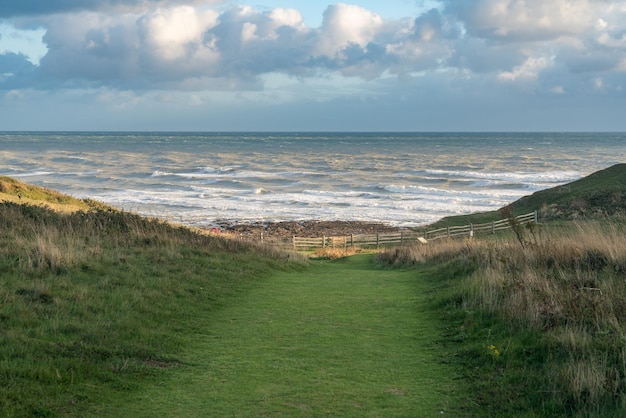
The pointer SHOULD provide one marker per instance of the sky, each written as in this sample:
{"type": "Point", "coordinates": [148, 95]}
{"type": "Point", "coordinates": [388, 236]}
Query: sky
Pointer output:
{"type": "Point", "coordinates": [305, 65]}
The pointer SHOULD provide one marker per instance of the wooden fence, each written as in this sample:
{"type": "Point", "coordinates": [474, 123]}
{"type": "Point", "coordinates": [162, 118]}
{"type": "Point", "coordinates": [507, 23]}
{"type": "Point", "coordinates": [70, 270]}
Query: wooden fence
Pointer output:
{"type": "Point", "coordinates": [473, 229]}
{"type": "Point", "coordinates": [404, 237]}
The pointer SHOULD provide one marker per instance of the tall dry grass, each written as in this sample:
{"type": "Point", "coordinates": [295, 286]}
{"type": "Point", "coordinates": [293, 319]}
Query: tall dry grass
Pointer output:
{"type": "Point", "coordinates": [34, 238]}
{"type": "Point", "coordinates": [566, 283]}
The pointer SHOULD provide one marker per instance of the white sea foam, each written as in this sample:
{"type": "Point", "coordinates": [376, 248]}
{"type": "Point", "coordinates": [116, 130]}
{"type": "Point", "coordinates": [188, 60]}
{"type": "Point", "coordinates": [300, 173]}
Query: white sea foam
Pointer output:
{"type": "Point", "coordinates": [402, 179]}
{"type": "Point", "coordinates": [535, 177]}
{"type": "Point", "coordinates": [33, 174]}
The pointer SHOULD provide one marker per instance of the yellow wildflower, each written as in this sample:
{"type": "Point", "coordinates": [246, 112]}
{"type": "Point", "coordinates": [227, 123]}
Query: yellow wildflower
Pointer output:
{"type": "Point", "coordinates": [494, 350]}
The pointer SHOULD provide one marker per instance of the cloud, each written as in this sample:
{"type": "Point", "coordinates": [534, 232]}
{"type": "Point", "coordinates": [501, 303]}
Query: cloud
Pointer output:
{"type": "Point", "coordinates": [168, 47]}
{"type": "Point", "coordinates": [16, 66]}
{"type": "Point", "coordinates": [529, 70]}
{"type": "Point", "coordinates": [346, 25]}
{"type": "Point", "coordinates": [171, 32]}
{"type": "Point", "coordinates": [12, 63]}
{"type": "Point", "coordinates": [253, 43]}
{"type": "Point", "coordinates": [528, 20]}
{"type": "Point", "coordinates": [543, 47]}
{"type": "Point", "coordinates": [21, 8]}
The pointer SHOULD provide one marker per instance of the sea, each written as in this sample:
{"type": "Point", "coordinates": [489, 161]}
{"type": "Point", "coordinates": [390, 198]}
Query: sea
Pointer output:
{"type": "Point", "coordinates": [399, 179]}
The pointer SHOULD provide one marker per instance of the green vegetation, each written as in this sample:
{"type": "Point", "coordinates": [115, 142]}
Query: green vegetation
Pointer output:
{"type": "Point", "coordinates": [94, 304]}
{"type": "Point", "coordinates": [602, 193]}
{"type": "Point", "coordinates": [342, 338]}
{"type": "Point", "coordinates": [106, 313]}
{"type": "Point", "coordinates": [539, 328]}
{"type": "Point", "coordinates": [537, 314]}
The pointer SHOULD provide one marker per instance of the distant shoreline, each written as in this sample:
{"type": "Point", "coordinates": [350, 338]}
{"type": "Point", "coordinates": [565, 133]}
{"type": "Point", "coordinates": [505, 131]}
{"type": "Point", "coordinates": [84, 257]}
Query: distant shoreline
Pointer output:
{"type": "Point", "coordinates": [284, 230]}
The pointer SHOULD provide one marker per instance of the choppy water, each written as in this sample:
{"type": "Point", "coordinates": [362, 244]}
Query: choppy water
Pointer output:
{"type": "Point", "coordinates": [395, 178]}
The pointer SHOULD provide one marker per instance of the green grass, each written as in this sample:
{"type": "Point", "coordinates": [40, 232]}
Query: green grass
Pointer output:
{"type": "Point", "coordinates": [96, 304]}
{"type": "Point", "coordinates": [538, 330]}
{"type": "Point", "coordinates": [105, 313]}
{"type": "Point", "coordinates": [343, 338]}
{"type": "Point", "coordinates": [601, 193]}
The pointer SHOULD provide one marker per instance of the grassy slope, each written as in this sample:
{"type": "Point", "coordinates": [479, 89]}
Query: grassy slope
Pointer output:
{"type": "Point", "coordinates": [95, 304]}
{"type": "Point", "coordinates": [104, 312]}
{"type": "Point", "coordinates": [343, 338]}
{"type": "Point", "coordinates": [14, 191]}
{"type": "Point", "coordinates": [539, 331]}
{"type": "Point", "coordinates": [601, 192]}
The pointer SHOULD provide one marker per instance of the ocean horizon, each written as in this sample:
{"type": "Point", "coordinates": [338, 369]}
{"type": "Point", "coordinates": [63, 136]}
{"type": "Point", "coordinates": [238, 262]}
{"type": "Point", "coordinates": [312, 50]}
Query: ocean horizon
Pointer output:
{"type": "Point", "coordinates": [397, 178]}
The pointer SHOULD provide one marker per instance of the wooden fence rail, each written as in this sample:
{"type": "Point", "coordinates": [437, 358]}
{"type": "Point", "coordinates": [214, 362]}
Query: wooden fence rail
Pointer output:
{"type": "Point", "coordinates": [371, 240]}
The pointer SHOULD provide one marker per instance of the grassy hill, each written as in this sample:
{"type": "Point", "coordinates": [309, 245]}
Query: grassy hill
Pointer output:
{"type": "Point", "coordinates": [94, 301]}
{"type": "Point", "coordinates": [15, 191]}
{"type": "Point", "coordinates": [601, 193]}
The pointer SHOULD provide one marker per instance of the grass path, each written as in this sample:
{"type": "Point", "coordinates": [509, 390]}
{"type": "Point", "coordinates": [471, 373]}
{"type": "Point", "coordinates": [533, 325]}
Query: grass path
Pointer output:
{"type": "Point", "coordinates": [342, 338]}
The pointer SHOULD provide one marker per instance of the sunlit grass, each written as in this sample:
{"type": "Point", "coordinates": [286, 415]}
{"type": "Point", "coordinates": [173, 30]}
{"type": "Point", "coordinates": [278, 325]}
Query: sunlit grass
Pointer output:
{"type": "Point", "coordinates": [342, 338]}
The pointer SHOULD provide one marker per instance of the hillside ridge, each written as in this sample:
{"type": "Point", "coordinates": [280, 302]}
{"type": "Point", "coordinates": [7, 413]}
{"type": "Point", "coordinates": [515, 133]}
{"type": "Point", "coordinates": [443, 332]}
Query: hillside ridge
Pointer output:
{"type": "Point", "coordinates": [602, 193]}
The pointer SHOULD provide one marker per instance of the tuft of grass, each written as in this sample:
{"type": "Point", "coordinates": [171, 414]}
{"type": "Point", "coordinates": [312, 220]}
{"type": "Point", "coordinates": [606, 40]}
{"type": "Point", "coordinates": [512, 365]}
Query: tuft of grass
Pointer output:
{"type": "Point", "coordinates": [553, 308]}
{"type": "Point", "coordinates": [335, 253]}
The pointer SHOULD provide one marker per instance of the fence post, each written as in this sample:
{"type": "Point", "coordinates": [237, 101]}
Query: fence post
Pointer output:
{"type": "Point", "coordinates": [352, 240]}
{"type": "Point", "coordinates": [493, 227]}
{"type": "Point", "coordinates": [295, 248]}
{"type": "Point", "coordinates": [401, 237]}
{"type": "Point", "coordinates": [448, 229]}
{"type": "Point", "coordinates": [323, 241]}
{"type": "Point", "coordinates": [536, 217]}
{"type": "Point", "coordinates": [471, 232]}
{"type": "Point", "coordinates": [377, 241]}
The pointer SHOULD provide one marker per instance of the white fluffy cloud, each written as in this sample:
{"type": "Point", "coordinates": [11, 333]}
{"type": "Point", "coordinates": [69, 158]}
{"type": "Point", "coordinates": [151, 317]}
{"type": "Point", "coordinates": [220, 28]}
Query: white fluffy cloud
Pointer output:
{"type": "Point", "coordinates": [168, 44]}
{"type": "Point", "coordinates": [528, 20]}
{"type": "Point", "coordinates": [558, 46]}
{"type": "Point", "coordinates": [346, 24]}
{"type": "Point", "coordinates": [171, 32]}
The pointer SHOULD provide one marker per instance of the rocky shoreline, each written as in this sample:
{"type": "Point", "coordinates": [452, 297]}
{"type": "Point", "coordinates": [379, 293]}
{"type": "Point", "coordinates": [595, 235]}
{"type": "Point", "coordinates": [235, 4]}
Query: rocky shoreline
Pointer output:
{"type": "Point", "coordinates": [306, 229]}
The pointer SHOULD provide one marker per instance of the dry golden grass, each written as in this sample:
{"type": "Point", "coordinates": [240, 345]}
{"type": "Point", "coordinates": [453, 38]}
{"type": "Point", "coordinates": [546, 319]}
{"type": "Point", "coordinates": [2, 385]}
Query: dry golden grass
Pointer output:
{"type": "Point", "coordinates": [14, 191]}
{"type": "Point", "coordinates": [57, 207]}
{"type": "Point", "coordinates": [441, 250]}
{"type": "Point", "coordinates": [335, 253]}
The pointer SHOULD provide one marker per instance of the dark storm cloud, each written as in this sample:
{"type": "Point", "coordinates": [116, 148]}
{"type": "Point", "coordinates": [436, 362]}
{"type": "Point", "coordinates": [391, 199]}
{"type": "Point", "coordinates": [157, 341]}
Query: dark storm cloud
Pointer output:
{"type": "Point", "coordinates": [12, 63]}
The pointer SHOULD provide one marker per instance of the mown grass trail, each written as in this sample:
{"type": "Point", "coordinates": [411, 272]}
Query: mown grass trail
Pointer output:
{"type": "Point", "coordinates": [342, 338]}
